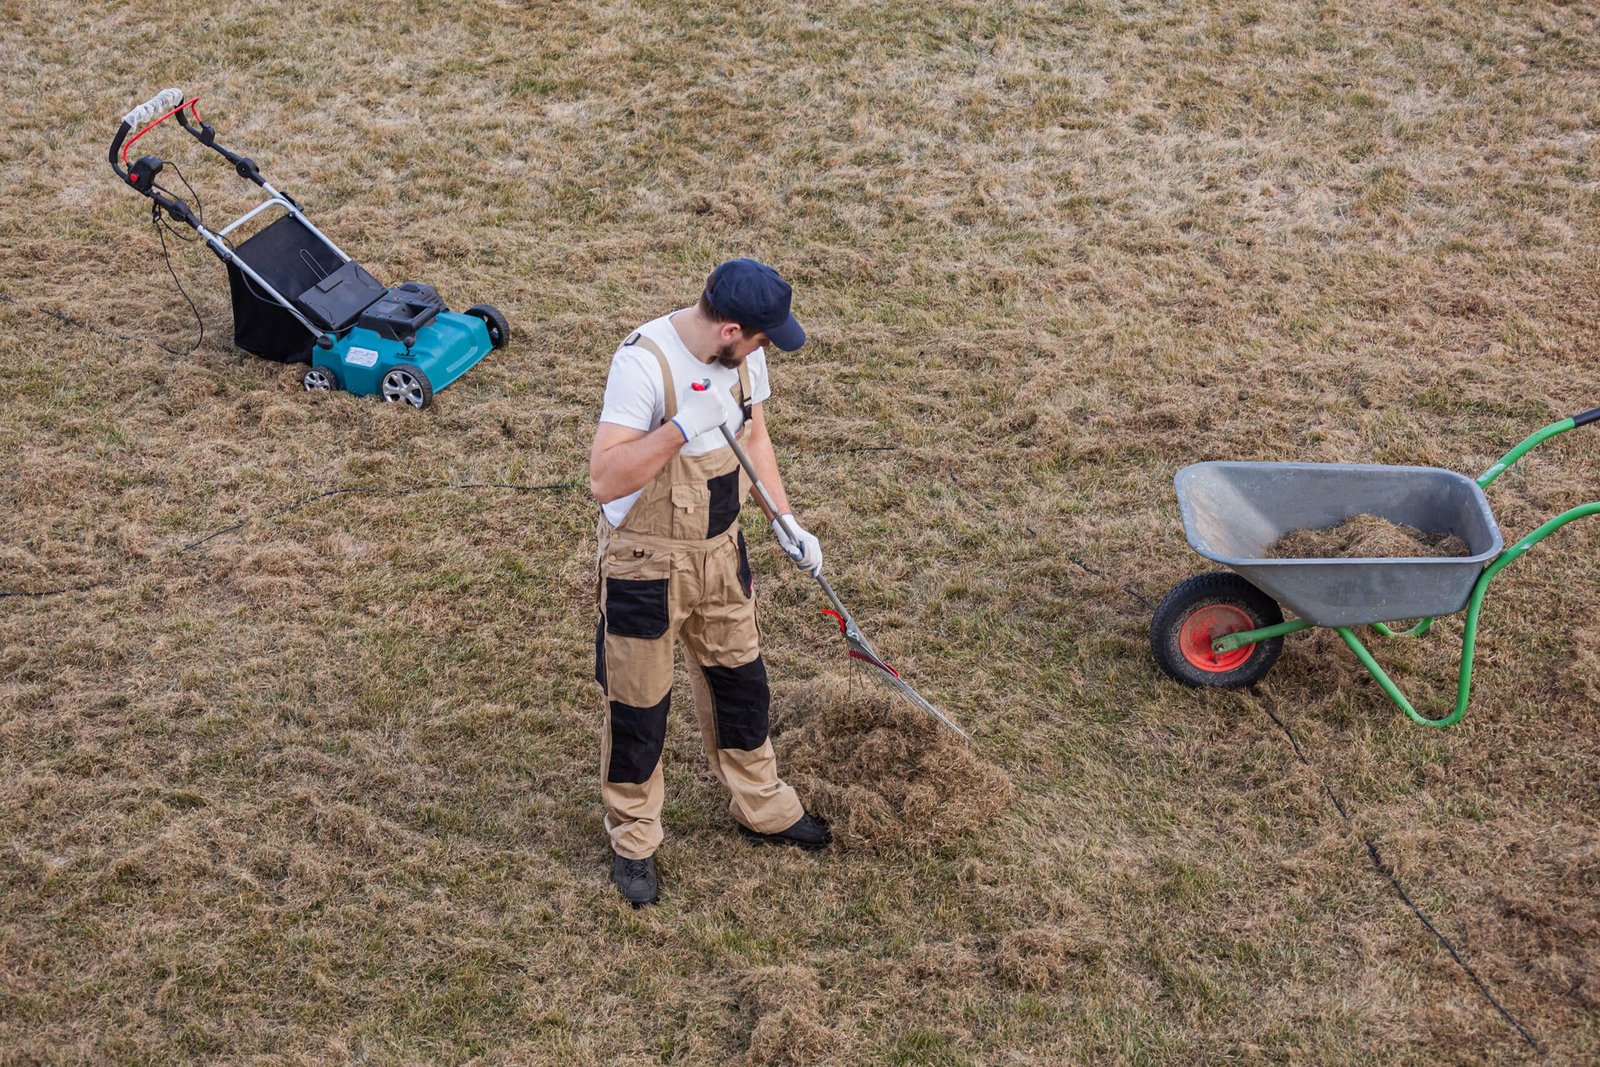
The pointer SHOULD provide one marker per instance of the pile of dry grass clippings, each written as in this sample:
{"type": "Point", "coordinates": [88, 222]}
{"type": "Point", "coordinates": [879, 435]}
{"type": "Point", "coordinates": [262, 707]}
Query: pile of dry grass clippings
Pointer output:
{"type": "Point", "coordinates": [1366, 537]}
{"type": "Point", "coordinates": [1050, 958]}
{"type": "Point", "coordinates": [788, 1026]}
{"type": "Point", "coordinates": [882, 772]}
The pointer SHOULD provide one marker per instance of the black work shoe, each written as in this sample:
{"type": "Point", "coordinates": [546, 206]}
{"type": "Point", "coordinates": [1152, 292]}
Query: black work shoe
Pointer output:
{"type": "Point", "coordinates": [809, 832]}
{"type": "Point", "coordinates": [635, 879]}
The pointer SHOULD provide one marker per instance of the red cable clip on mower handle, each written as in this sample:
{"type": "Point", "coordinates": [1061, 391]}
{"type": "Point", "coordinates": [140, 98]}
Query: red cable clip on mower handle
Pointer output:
{"type": "Point", "coordinates": [163, 104]}
{"type": "Point", "coordinates": [141, 174]}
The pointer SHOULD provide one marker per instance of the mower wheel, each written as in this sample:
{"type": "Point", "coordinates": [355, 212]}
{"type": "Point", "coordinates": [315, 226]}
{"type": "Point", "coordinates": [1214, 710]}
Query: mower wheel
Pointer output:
{"type": "Point", "coordinates": [1202, 609]}
{"type": "Point", "coordinates": [406, 384]}
{"type": "Point", "coordinates": [499, 328]}
{"type": "Point", "coordinates": [319, 379]}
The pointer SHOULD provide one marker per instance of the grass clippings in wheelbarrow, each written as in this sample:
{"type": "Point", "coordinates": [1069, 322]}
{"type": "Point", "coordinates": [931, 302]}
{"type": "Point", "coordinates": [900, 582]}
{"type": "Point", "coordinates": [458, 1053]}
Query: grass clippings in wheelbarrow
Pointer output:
{"type": "Point", "coordinates": [884, 775]}
{"type": "Point", "coordinates": [1366, 537]}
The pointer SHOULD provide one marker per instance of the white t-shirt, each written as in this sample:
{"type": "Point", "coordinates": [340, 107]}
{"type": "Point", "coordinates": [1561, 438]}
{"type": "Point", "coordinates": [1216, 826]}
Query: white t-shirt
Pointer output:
{"type": "Point", "coordinates": [636, 398]}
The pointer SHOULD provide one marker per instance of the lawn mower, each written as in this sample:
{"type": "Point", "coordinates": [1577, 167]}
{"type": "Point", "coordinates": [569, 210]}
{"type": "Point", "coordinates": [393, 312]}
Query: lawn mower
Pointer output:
{"type": "Point", "coordinates": [297, 298]}
{"type": "Point", "coordinates": [1226, 629]}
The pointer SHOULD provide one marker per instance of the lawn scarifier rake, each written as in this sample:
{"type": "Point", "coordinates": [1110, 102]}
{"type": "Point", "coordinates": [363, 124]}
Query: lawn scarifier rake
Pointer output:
{"type": "Point", "coordinates": [297, 298]}
{"type": "Point", "coordinates": [1226, 629]}
{"type": "Point", "coordinates": [859, 647]}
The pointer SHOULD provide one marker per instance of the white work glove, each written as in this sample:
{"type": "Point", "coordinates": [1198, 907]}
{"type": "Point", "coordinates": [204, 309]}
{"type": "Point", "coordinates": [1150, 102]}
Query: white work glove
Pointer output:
{"type": "Point", "coordinates": [702, 410]}
{"type": "Point", "coordinates": [803, 548]}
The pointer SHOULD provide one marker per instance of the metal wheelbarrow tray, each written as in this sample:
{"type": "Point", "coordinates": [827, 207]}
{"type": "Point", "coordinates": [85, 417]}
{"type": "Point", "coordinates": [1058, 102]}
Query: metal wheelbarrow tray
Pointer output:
{"type": "Point", "coordinates": [1234, 512]}
{"type": "Point", "coordinates": [1226, 629]}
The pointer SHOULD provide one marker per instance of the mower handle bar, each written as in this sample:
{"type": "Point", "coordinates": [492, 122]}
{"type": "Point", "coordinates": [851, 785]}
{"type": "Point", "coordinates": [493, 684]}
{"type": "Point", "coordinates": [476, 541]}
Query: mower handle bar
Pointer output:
{"type": "Point", "coordinates": [165, 100]}
{"type": "Point", "coordinates": [159, 107]}
{"type": "Point", "coordinates": [246, 167]}
{"type": "Point", "coordinates": [163, 103]}
{"type": "Point", "coordinates": [142, 174]}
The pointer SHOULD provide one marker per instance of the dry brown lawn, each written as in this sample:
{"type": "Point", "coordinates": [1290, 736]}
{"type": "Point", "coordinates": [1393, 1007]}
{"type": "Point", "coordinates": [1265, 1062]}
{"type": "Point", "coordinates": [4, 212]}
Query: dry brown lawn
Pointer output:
{"type": "Point", "coordinates": [323, 789]}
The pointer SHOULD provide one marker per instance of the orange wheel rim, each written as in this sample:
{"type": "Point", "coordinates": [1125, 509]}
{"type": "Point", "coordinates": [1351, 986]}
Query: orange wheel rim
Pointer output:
{"type": "Point", "coordinates": [1203, 626]}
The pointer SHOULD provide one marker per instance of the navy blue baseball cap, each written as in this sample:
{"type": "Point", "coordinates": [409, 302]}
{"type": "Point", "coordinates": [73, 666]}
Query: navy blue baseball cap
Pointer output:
{"type": "Point", "coordinates": [753, 295]}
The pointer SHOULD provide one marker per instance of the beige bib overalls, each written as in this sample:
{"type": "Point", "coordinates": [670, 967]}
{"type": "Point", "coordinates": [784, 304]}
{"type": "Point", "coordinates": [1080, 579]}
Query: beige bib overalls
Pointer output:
{"type": "Point", "coordinates": [677, 568]}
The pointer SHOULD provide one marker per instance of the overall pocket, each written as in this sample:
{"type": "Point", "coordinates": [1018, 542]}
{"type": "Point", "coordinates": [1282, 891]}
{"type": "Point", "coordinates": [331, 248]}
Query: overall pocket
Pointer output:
{"type": "Point", "coordinates": [636, 582]}
{"type": "Point", "coordinates": [690, 506]}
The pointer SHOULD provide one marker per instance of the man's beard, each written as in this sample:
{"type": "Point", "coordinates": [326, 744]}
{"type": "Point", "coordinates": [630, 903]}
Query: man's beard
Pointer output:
{"type": "Point", "coordinates": [726, 358]}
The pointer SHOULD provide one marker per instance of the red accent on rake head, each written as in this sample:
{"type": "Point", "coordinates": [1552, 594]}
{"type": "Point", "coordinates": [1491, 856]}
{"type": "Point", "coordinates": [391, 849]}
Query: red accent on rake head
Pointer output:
{"type": "Point", "coordinates": [878, 663]}
{"type": "Point", "coordinates": [854, 654]}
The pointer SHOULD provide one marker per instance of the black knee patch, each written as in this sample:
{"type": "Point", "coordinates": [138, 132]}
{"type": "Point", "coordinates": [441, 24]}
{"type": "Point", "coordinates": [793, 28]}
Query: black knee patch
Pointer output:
{"type": "Point", "coordinates": [724, 502]}
{"type": "Point", "coordinates": [741, 703]}
{"type": "Point", "coordinates": [600, 652]}
{"type": "Point", "coordinates": [637, 736]}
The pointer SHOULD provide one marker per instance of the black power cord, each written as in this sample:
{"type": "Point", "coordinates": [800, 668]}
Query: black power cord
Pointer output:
{"type": "Point", "coordinates": [1382, 867]}
{"type": "Point", "coordinates": [161, 225]}
{"type": "Point", "coordinates": [77, 324]}
{"type": "Point", "coordinates": [1081, 565]}
{"type": "Point", "coordinates": [1379, 864]}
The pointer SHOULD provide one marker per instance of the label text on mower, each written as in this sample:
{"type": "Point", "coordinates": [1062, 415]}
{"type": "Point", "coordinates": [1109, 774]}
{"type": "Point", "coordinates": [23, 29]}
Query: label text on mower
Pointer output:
{"type": "Point", "coordinates": [361, 357]}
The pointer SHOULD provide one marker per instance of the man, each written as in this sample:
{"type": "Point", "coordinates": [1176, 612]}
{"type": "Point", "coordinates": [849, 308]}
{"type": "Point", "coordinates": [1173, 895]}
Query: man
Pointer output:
{"type": "Point", "coordinates": [673, 562]}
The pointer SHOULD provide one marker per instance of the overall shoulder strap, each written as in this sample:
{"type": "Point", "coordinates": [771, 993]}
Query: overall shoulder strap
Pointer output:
{"type": "Point", "coordinates": [744, 389]}
{"type": "Point", "coordinates": [669, 390]}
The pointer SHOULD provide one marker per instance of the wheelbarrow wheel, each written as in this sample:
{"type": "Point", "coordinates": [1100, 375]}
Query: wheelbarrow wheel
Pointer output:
{"type": "Point", "coordinates": [1202, 609]}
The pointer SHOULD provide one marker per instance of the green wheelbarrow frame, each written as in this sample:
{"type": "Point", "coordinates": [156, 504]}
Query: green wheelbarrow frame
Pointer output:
{"type": "Point", "coordinates": [1226, 647]}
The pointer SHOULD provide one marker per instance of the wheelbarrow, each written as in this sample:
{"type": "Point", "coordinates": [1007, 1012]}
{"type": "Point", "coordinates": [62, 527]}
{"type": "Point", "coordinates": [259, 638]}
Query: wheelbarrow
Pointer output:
{"type": "Point", "coordinates": [1225, 629]}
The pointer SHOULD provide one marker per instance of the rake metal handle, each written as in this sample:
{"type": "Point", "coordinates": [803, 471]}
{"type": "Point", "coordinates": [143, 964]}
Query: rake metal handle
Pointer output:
{"type": "Point", "coordinates": [860, 647]}
{"type": "Point", "coordinates": [788, 528]}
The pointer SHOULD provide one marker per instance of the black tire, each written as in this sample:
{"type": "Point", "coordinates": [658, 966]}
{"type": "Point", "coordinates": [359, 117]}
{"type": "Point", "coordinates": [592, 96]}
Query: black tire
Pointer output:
{"type": "Point", "coordinates": [404, 383]}
{"type": "Point", "coordinates": [499, 328]}
{"type": "Point", "coordinates": [1181, 649]}
{"type": "Point", "coordinates": [319, 379]}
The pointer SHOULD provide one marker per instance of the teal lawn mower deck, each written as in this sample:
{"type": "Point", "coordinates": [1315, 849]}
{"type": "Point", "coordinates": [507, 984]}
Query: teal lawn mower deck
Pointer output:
{"type": "Point", "coordinates": [366, 362]}
{"type": "Point", "coordinates": [406, 346]}
{"type": "Point", "coordinates": [297, 298]}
